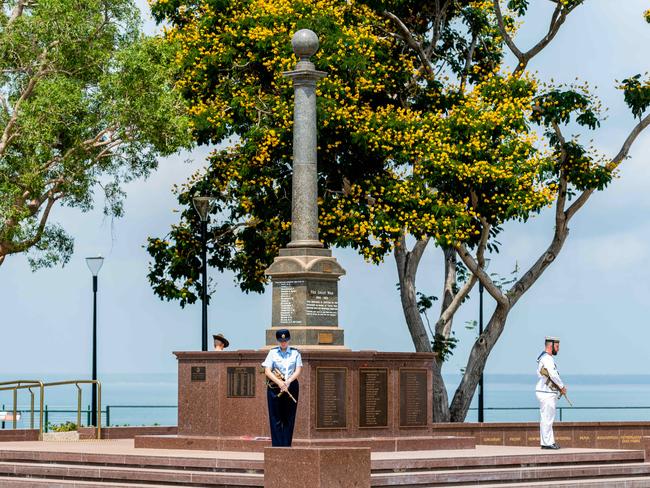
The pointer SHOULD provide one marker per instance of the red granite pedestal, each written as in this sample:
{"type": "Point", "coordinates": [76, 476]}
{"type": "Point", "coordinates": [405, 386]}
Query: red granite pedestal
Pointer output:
{"type": "Point", "coordinates": [370, 399]}
{"type": "Point", "coordinates": [317, 467]}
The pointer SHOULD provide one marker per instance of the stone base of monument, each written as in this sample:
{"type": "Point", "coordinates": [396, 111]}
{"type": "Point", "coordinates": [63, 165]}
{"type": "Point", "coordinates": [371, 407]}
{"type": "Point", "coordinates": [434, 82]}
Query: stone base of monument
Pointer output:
{"type": "Point", "coordinates": [316, 468]}
{"type": "Point", "coordinates": [245, 444]}
{"type": "Point", "coordinates": [380, 400]}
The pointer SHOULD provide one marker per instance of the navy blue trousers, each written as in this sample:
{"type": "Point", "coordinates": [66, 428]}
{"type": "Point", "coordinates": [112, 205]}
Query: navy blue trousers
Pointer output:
{"type": "Point", "coordinates": [282, 414]}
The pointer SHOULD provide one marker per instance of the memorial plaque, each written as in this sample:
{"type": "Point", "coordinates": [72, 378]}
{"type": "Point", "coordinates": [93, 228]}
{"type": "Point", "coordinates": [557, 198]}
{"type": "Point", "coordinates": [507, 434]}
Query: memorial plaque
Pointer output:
{"type": "Point", "coordinates": [322, 303]}
{"type": "Point", "coordinates": [331, 394]}
{"type": "Point", "coordinates": [373, 397]}
{"type": "Point", "coordinates": [241, 382]}
{"type": "Point", "coordinates": [198, 373]}
{"type": "Point", "coordinates": [287, 295]}
{"type": "Point", "coordinates": [413, 398]}
{"type": "Point", "coordinates": [325, 338]}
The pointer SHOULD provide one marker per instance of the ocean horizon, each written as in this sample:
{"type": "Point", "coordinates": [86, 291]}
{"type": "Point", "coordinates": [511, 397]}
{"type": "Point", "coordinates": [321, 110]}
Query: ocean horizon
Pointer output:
{"type": "Point", "coordinates": [151, 398]}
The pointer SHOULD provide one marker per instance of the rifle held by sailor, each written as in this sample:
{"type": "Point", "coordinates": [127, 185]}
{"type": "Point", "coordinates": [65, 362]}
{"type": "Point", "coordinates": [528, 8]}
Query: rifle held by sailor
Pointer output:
{"type": "Point", "coordinates": [553, 385]}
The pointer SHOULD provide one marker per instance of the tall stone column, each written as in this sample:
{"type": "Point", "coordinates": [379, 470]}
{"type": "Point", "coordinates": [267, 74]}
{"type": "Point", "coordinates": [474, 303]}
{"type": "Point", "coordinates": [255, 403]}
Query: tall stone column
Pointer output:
{"type": "Point", "coordinates": [305, 275]}
{"type": "Point", "coordinates": [304, 203]}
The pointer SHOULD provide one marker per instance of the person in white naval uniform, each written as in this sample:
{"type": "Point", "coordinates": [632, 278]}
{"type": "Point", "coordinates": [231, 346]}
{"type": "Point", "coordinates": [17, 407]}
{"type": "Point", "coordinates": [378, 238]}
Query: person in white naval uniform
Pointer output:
{"type": "Point", "coordinates": [548, 390]}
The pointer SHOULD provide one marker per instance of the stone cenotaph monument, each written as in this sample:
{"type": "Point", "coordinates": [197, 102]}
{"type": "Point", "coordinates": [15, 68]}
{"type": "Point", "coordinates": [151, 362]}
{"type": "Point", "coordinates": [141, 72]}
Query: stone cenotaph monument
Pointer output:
{"type": "Point", "coordinates": [305, 275]}
{"type": "Point", "coordinates": [348, 398]}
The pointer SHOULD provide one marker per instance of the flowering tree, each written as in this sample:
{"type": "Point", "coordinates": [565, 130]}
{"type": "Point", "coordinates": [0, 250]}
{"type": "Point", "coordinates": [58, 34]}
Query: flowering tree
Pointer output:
{"type": "Point", "coordinates": [85, 102]}
{"type": "Point", "coordinates": [422, 133]}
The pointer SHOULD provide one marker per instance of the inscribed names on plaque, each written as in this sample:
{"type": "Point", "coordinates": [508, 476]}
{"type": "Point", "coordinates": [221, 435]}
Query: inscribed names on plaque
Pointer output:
{"type": "Point", "coordinates": [322, 303]}
{"type": "Point", "coordinates": [198, 373]}
{"type": "Point", "coordinates": [241, 382]}
{"type": "Point", "coordinates": [413, 398]}
{"type": "Point", "coordinates": [373, 397]}
{"type": "Point", "coordinates": [287, 291]}
{"type": "Point", "coordinates": [331, 391]}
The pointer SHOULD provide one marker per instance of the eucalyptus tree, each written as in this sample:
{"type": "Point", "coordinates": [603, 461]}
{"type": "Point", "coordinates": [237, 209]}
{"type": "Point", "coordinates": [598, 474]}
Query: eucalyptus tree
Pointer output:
{"type": "Point", "coordinates": [86, 103]}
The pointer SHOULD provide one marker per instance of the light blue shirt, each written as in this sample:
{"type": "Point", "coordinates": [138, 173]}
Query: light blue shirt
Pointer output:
{"type": "Point", "coordinates": [286, 361]}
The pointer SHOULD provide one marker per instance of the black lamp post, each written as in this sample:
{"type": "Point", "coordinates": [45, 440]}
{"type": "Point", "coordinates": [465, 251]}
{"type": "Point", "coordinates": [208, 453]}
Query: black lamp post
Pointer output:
{"type": "Point", "coordinates": [203, 205]}
{"type": "Point", "coordinates": [94, 264]}
{"type": "Point", "coordinates": [480, 331]}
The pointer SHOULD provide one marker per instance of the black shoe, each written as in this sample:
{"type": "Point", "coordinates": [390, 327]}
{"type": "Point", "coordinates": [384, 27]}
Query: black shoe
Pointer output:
{"type": "Point", "coordinates": [552, 446]}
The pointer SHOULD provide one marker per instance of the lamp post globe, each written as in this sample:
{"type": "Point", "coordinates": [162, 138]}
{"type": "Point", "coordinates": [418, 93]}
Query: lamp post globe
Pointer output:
{"type": "Point", "coordinates": [94, 265]}
{"type": "Point", "coordinates": [203, 207]}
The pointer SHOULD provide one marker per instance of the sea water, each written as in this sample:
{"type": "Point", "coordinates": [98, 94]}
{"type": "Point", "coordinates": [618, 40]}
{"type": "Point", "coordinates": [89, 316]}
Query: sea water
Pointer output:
{"type": "Point", "coordinates": [151, 399]}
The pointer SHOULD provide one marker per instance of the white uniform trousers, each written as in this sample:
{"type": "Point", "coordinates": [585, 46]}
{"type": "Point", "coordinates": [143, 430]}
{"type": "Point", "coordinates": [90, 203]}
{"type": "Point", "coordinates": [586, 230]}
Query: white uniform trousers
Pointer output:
{"type": "Point", "coordinates": [547, 403]}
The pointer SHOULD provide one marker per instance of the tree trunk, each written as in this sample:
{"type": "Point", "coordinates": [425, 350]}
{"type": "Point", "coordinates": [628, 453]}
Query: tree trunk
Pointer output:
{"type": "Point", "coordinates": [407, 267]}
{"type": "Point", "coordinates": [440, 397]}
{"type": "Point", "coordinates": [476, 363]}
{"type": "Point", "coordinates": [440, 400]}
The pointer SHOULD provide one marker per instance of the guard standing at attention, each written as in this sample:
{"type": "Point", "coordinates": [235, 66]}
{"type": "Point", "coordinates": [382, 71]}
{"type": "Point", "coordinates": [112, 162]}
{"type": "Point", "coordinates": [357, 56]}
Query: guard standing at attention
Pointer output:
{"type": "Point", "coordinates": [282, 366]}
{"type": "Point", "coordinates": [549, 389]}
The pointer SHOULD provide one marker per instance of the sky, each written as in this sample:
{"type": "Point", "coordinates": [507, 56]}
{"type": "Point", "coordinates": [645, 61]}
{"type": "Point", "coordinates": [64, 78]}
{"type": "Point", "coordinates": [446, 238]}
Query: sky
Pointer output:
{"type": "Point", "coordinates": [594, 296]}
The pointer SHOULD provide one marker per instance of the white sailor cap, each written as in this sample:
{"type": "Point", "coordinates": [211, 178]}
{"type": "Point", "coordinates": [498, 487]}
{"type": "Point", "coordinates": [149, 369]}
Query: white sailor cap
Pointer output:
{"type": "Point", "coordinates": [551, 339]}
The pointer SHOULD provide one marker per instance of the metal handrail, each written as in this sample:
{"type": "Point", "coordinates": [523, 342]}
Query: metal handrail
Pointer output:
{"type": "Point", "coordinates": [20, 385]}
{"type": "Point", "coordinates": [99, 400]}
{"type": "Point", "coordinates": [29, 384]}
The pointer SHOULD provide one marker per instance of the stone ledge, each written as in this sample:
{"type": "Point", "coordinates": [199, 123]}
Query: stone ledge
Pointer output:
{"type": "Point", "coordinates": [10, 435]}
{"type": "Point", "coordinates": [127, 432]}
{"type": "Point", "coordinates": [376, 444]}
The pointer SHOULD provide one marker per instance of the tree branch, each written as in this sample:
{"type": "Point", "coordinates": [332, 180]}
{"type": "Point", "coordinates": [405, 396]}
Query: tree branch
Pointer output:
{"type": "Point", "coordinates": [414, 256]}
{"type": "Point", "coordinates": [562, 190]}
{"type": "Point", "coordinates": [6, 133]}
{"type": "Point", "coordinates": [17, 11]}
{"type": "Point", "coordinates": [502, 27]}
{"type": "Point", "coordinates": [412, 42]}
{"type": "Point", "coordinates": [480, 273]}
{"type": "Point", "coordinates": [625, 149]}
{"type": "Point", "coordinates": [612, 165]}
{"type": "Point", "coordinates": [445, 318]}
{"type": "Point", "coordinates": [13, 248]}
{"type": "Point", "coordinates": [557, 19]}
{"type": "Point", "coordinates": [451, 261]}
{"type": "Point", "coordinates": [468, 62]}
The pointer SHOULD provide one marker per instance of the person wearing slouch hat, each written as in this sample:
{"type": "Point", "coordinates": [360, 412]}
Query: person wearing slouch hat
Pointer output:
{"type": "Point", "coordinates": [282, 366]}
{"type": "Point", "coordinates": [220, 342]}
{"type": "Point", "coordinates": [549, 389]}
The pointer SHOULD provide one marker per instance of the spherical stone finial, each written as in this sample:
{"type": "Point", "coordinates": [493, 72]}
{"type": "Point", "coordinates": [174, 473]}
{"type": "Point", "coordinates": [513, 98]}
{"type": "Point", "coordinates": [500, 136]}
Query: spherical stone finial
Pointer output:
{"type": "Point", "coordinates": [305, 43]}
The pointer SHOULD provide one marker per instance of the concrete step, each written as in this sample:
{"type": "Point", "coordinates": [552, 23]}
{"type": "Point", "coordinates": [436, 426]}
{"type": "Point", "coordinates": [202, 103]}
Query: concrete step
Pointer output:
{"type": "Point", "coordinates": [401, 463]}
{"type": "Point", "coordinates": [133, 474]}
{"type": "Point", "coordinates": [161, 461]}
{"type": "Point", "coordinates": [641, 482]}
{"type": "Point", "coordinates": [10, 482]}
{"type": "Point", "coordinates": [547, 474]}
{"type": "Point", "coordinates": [528, 460]}
{"type": "Point", "coordinates": [510, 468]}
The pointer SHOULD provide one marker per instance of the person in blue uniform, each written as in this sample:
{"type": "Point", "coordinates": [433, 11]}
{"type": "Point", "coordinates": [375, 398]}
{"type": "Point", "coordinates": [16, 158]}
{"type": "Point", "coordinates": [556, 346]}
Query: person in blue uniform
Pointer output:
{"type": "Point", "coordinates": [282, 366]}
